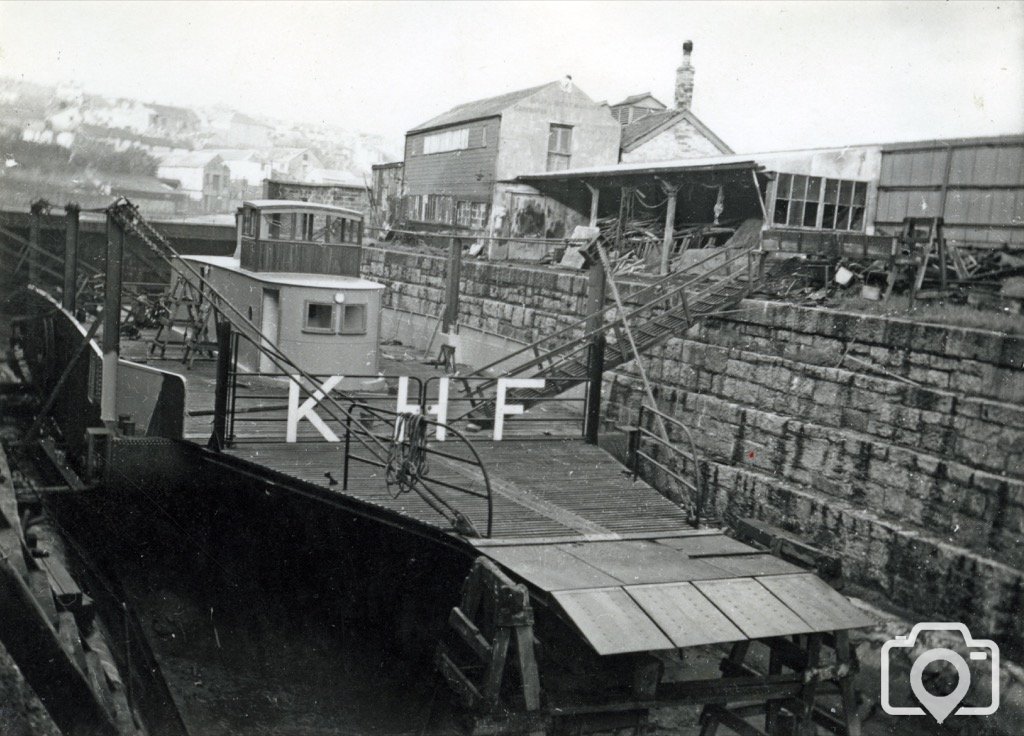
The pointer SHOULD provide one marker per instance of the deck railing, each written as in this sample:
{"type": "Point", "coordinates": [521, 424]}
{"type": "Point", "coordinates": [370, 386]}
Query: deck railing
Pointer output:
{"type": "Point", "coordinates": [368, 418]}
{"type": "Point", "coordinates": [642, 436]}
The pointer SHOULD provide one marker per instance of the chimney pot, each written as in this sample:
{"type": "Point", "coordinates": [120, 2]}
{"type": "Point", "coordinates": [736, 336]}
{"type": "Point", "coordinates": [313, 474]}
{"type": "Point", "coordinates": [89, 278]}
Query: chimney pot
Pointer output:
{"type": "Point", "coordinates": [684, 79]}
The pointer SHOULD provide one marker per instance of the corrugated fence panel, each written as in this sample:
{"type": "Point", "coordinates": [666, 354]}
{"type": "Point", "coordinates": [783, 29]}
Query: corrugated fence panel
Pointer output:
{"type": "Point", "coordinates": [985, 196]}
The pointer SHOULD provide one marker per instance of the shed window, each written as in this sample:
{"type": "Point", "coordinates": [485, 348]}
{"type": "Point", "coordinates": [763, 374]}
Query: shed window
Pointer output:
{"type": "Point", "coordinates": [559, 147]}
{"type": "Point", "coordinates": [353, 319]}
{"type": "Point", "coordinates": [448, 140]}
{"type": "Point", "coordinates": [319, 317]}
{"type": "Point", "coordinates": [815, 202]}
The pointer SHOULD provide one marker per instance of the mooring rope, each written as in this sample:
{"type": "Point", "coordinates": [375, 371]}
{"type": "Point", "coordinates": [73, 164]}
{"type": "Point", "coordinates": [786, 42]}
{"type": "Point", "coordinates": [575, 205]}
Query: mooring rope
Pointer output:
{"type": "Point", "coordinates": [407, 455]}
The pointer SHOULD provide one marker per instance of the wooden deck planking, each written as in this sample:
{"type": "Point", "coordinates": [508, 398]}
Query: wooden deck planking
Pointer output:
{"type": "Point", "coordinates": [542, 487]}
{"type": "Point", "coordinates": [615, 503]}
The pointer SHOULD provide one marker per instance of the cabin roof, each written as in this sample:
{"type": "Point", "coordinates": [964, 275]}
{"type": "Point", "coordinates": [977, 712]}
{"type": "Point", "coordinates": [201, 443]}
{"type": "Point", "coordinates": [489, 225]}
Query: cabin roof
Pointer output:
{"type": "Point", "coordinates": [295, 204]}
{"type": "Point", "coordinates": [310, 280]}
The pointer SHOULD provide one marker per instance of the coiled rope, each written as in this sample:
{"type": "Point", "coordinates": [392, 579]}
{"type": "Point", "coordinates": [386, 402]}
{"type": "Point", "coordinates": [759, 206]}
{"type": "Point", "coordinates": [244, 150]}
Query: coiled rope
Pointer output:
{"type": "Point", "coordinates": [407, 455]}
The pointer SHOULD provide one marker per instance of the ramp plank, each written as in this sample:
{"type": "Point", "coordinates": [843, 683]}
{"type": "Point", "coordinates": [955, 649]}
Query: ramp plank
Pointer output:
{"type": "Point", "coordinates": [816, 602]}
{"type": "Point", "coordinates": [753, 608]}
{"type": "Point", "coordinates": [549, 567]}
{"type": "Point", "coordinates": [612, 621]}
{"type": "Point", "coordinates": [638, 562]}
{"type": "Point", "coordinates": [685, 614]}
{"type": "Point", "coordinates": [753, 565]}
{"type": "Point", "coordinates": [707, 546]}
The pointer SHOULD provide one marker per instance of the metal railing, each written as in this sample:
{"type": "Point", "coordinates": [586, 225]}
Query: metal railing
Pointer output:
{"type": "Point", "coordinates": [127, 217]}
{"type": "Point", "coordinates": [549, 355]}
{"type": "Point", "coordinates": [637, 456]}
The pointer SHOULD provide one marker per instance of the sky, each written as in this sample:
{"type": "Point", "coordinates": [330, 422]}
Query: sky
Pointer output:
{"type": "Point", "coordinates": [769, 75]}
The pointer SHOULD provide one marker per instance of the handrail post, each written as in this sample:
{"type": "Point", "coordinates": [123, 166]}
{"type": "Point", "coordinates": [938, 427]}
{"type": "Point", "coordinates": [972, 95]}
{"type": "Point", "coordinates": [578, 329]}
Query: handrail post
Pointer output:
{"type": "Point", "coordinates": [634, 443]}
{"type": "Point", "coordinates": [595, 370]}
{"type": "Point", "coordinates": [218, 439]}
{"type": "Point", "coordinates": [348, 445]}
{"type": "Point", "coordinates": [233, 393]}
{"type": "Point", "coordinates": [69, 297]}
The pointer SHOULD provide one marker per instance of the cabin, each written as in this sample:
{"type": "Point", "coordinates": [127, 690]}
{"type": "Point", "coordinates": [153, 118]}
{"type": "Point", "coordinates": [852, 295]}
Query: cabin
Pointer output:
{"type": "Point", "coordinates": [295, 277]}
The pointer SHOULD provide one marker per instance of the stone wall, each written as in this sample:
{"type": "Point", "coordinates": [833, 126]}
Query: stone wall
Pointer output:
{"type": "Point", "coordinates": [898, 444]}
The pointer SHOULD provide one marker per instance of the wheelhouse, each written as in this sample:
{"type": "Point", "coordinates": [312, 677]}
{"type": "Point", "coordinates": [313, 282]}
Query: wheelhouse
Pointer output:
{"type": "Point", "coordinates": [287, 236]}
{"type": "Point", "coordinates": [295, 277]}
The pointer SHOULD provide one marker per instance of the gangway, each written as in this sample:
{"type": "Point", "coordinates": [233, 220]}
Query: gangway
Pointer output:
{"type": "Point", "coordinates": [670, 306]}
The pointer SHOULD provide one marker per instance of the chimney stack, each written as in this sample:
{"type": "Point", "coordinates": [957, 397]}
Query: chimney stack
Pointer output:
{"type": "Point", "coordinates": [684, 79]}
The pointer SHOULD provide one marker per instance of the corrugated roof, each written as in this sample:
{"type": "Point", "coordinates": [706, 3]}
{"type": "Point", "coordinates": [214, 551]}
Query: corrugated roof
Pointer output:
{"type": "Point", "coordinates": [732, 161]}
{"type": "Point", "coordinates": [477, 109]}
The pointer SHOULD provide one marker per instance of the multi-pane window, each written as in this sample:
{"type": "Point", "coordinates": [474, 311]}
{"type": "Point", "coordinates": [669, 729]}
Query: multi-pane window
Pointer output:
{"type": "Point", "coordinates": [447, 140]}
{"type": "Point", "coordinates": [471, 214]}
{"type": "Point", "coordinates": [817, 202]}
{"type": "Point", "coordinates": [559, 147]}
{"type": "Point", "coordinates": [478, 215]}
{"type": "Point", "coordinates": [440, 208]}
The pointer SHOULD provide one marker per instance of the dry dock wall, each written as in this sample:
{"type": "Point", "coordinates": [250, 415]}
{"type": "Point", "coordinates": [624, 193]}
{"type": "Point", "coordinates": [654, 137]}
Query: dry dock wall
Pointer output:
{"type": "Point", "coordinates": [899, 445]}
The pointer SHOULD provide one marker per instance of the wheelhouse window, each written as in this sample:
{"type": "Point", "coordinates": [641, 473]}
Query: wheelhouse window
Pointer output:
{"type": "Point", "coordinates": [319, 317]}
{"type": "Point", "coordinates": [353, 319]}
{"type": "Point", "coordinates": [282, 226]}
{"type": "Point", "coordinates": [820, 203]}
{"type": "Point", "coordinates": [559, 147]}
{"type": "Point", "coordinates": [249, 220]}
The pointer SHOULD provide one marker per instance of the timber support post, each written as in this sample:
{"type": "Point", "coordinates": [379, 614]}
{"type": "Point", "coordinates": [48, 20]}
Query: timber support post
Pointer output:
{"type": "Point", "coordinates": [111, 321]}
{"type": "Point", "coordinates": [596, 284]}
{"type": "Point", "coordinates": [670, 227]}
{"type": "Point", "coordinates": [595, 372]}
{"type": "Point", "coordinates": [218, 440]}
{"type": "Point", "coordinates": [451, 301]}
{"type": "Point", "coordinates": [595, 198]}
{"type": "Point", "coordinates": [69, 296]}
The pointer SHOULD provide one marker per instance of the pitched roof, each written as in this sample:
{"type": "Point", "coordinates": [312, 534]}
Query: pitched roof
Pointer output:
{"type": "Point", "coordinates": [233, 154]}
{"type": "Point", "coordinates": [477, 109]}
{"type": "Point", "coordinates": [636, 98]}
{"type": "Point", "coordinates": [188, 159]}
{"type": "Point", "coordinates": [642, 130]}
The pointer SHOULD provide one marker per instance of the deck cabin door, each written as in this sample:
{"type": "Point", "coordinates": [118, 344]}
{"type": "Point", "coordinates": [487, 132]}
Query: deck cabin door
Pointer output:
{"type": "Point", "coordinates": [270, 326]}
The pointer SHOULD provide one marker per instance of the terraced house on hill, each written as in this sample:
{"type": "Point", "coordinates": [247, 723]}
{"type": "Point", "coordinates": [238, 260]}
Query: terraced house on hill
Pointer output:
{"type": "Point", "coordinates": [459, 165]}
